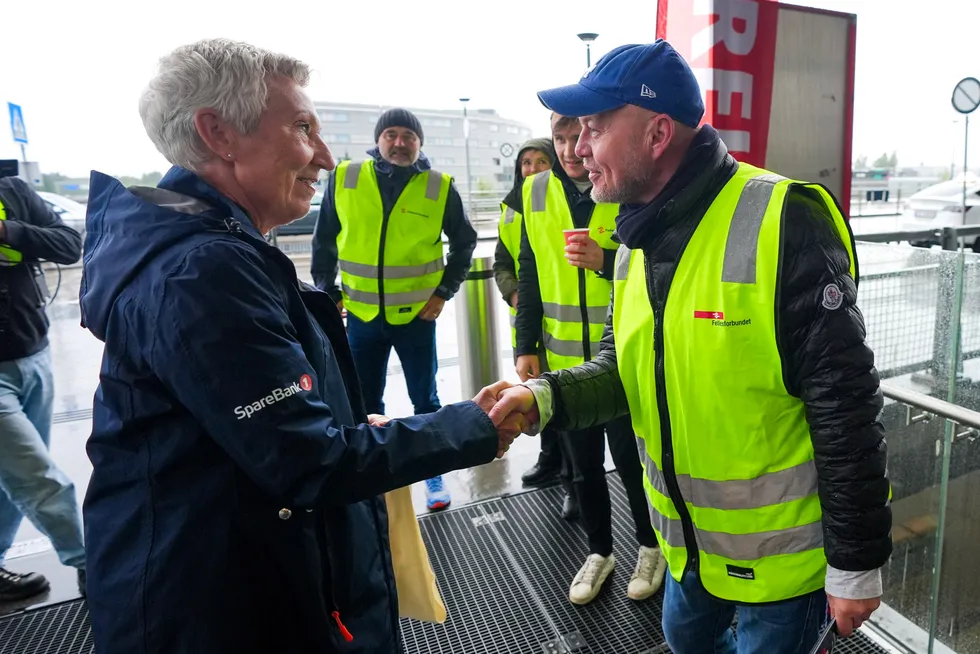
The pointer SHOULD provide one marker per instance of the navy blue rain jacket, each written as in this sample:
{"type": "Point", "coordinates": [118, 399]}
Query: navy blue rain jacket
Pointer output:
{"type": "Point", "coordinates": [234, 502]}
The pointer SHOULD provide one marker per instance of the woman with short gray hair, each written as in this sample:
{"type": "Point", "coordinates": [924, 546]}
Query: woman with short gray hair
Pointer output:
{"type": "Point", "coordinates": [234, 501]}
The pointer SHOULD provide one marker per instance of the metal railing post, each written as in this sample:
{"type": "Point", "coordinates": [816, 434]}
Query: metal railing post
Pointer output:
{"type": "Point", "coordinates": [476, 328]}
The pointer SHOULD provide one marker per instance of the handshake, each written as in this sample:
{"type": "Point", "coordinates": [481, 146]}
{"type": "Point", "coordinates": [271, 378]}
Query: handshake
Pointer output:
{"type": "Point", "coordinates": [512, 409]}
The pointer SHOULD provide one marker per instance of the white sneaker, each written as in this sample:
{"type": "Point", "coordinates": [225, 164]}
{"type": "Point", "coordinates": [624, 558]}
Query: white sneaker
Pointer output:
{"type": "Point", "coordinates": [588, 582]}
{"type": "Point", "coordinates": [649, 574]}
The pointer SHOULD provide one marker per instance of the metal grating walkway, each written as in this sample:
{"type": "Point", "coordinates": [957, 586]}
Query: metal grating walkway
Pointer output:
{"type": "Point", "coordinates": [509, 603]}
{"type": "Point", "coordinates": [518, 602]}
{"type": "Point", "coordinates": [61, 629]}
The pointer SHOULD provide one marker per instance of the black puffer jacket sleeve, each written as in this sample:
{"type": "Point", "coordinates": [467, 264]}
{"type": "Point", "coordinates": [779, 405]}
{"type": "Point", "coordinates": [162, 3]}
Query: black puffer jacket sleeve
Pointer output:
{"type": "Point", "coordinates": [827, 363]}
{"type": "Point", "coordinates": [530, 311]}
{"type": "Point", "coordinates": [504, 271]}
{"type": "Point", "coordinates": [590, 394]}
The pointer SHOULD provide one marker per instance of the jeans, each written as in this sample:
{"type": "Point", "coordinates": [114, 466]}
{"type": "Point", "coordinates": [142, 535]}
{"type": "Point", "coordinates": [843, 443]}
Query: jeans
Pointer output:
{"type": "Point", "coordinates": [32, 486]}
{"type": "Point", "coordinates": [415, 344]}
{"type": "Point", "coordinates": [696, 623]}
{"type": "Point", "coordinates": [583, 473]}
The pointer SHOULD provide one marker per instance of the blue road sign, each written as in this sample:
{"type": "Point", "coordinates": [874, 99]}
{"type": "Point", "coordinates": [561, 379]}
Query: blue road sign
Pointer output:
{"type": "Point", "coordinates": [17, 123]}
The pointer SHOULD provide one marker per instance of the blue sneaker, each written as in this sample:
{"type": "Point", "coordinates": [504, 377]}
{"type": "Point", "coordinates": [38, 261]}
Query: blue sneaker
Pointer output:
{"type": "Point", "coordinates": [436, 496]}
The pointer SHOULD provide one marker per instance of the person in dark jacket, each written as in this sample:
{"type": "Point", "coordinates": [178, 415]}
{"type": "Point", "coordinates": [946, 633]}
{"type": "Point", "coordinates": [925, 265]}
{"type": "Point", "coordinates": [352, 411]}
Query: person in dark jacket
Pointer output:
{"type": "Point", "coordinates": [534, 156]}
{"type": "Point", "coordinates": [31, 484]}
{"type": "Point", "coordinates": [640, 107]}
{"type": "Point", "coordinates": [389, 253]}
{"type": "Point", "coordinates": [234, 505]}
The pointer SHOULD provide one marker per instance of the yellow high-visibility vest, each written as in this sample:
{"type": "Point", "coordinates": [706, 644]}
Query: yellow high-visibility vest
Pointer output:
{"type": "Point", "coordinates": [728, 460]}
{"type": "Point", "coordinates": [509, 230]}
{"type": "Point", "coordinates": [575, 300]}
{"type": "Point", "coordinates": [399, 261]}
{"type": "Point", "coordinates": [8, 255]}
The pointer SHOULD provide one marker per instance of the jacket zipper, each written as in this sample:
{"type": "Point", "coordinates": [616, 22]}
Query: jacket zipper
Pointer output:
{"type": "Point", "coordinates": [343, 630]}
{"type": "Point", "coordinates": [666, 434]}
{"type": "Point", "coordinates": [233, 225]}
{"type": "Point", "coordinates": [584, 306]}
{"type": "Point", "coordinates": [329, 599]}
{"type": "Point", "coordinates": [381, 260]}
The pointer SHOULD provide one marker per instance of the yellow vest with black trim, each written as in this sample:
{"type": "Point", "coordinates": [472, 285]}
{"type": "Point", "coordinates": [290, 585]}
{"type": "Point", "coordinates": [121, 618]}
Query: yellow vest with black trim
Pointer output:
{"type": "Point", "coordinates": [575, 300]}
{"type": "Point", "coordinates": [8, 255]}
{"type": "Point", "coordinates": [396, 262]}
{"type": "Point", "coordinates": [719, 431]}
{"type": "Point", "coordinates": [509, 230]}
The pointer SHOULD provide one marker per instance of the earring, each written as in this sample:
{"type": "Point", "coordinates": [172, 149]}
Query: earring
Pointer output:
{"type": "Point", "coordinates": [229, 156]}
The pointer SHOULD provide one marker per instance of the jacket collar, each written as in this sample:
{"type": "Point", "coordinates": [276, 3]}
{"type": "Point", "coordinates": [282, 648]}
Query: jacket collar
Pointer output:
{"type": "Point", "coordinates": [706, 167]}
{"type": "Point", "coordinates": [382, 166]}
{"type": "Point", "coordinates": [181, 180]}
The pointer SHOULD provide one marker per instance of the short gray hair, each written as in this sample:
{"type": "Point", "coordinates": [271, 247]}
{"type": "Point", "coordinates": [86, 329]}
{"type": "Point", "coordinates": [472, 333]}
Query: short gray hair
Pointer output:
{"type": "Point", "coordinates": [227, 76]}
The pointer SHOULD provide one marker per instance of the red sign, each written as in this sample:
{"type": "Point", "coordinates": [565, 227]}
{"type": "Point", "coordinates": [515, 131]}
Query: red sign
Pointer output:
{"type": "Point", "coordinates": [731, 46]}
{"type": "Point", "coordinates": [710, 315]}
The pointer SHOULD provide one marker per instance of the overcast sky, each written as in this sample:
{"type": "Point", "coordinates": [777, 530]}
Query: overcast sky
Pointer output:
{"type": "Point", "coordinates": [78, 68]}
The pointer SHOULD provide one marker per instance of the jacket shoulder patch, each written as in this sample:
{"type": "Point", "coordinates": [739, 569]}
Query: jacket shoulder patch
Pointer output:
{"type": "Point", "coordinates": [833, 297]}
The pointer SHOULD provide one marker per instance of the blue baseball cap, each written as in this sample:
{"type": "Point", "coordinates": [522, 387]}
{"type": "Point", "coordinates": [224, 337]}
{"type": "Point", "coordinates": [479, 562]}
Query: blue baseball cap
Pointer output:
{"type": "Point", "coordinates": [652, 76]}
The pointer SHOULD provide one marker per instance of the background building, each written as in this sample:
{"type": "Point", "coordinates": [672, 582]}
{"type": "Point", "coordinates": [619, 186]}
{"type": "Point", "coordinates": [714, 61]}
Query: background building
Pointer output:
{"type": "Point", "coordinates": [493, 141]}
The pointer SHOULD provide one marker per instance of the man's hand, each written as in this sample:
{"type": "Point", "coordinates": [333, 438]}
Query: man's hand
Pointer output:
{"type": "Point", "coordinates": [584, 252]}
{"type": "Point", "coordinates": [376, 420]}
{"type": "Point", "coordinates": [432, 308]}
{"type": "Point", "coordinates": [513, 299]}
{"type": "Point", "coordinates": [341, 309]}
{"type": "Point", "coordinates": [851, 614]}
{"type": "Point", "coordinates": [528, 367]}
{"type": "Point", "coordinates": [508, 427]}
{"type": "Point", "coordinates": [513, 402]}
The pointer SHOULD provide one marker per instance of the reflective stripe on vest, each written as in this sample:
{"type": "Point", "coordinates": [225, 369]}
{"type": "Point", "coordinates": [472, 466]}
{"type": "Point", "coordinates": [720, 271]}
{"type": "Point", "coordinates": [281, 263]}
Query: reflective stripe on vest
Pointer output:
{"type": "Point", "coordinates": [741, 450]}
{"type": "Point", "coordinates": [8, 255]}
{"type": "Point", "coordinates": [509, 230]}
{"type": "Point", "coordinates": [569, 324]}
{"type": "Point", "coordinates": [411, 268]}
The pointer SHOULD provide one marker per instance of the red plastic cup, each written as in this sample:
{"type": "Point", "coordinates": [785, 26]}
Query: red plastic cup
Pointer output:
{"type": "Point", "coordinates": [571, 232]}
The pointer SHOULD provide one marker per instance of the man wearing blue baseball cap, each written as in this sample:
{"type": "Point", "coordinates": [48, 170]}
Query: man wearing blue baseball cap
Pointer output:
{"type": "Point", "coordinates": [734, 342]}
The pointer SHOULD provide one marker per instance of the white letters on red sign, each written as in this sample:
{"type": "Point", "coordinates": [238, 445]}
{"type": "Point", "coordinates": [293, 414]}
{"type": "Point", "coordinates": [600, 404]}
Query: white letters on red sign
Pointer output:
{"type": "Point", "coordinates": [726, 83]}
{"type": "Point", "coordinates": [738, 43]}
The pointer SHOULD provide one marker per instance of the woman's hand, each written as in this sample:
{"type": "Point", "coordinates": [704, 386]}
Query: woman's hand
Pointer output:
{"type": "Point", "coordinates": [376, 420]}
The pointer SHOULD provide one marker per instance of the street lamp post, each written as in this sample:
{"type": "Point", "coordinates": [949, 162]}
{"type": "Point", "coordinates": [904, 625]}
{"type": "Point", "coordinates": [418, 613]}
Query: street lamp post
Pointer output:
{"type": "Point", "coordinates": [466, 141]}
{"type": "Point", "coordinates": [588, 38]}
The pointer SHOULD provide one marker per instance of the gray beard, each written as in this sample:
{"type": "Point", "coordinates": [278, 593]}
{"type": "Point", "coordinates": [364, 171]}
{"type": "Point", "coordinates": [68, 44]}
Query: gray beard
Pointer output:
{"type": "Point", "coordinates": [631, 186]}
{"type": "Point", "coordinates": [627, 192]}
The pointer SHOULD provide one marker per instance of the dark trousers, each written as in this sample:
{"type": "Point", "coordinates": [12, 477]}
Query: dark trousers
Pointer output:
{"type": "Point", "coordinates": [583, 473]}
{"type": "Point", "coordinates": [415, 344]}
{"type": "Point", "coordinates": [550, 457]}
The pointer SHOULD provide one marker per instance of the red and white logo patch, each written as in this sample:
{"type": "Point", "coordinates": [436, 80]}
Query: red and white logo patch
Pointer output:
{"type": "Point", "coordinates": [305, 383]}
{"type": "Point", "coordinates": [710, 315]}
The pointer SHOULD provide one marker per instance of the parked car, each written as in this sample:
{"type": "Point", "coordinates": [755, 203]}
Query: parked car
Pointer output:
{"type": "Point", "coordinates": [941, 205]}
{"type": "Point", "coordinates": [71, 213]}
{"type": "Point", "coordinates": [303, 226]}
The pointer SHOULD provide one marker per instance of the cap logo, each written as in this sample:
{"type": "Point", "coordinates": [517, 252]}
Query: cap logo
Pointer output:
{"type": "Point", "coordinates": [647, 92]}
{"type": "Point", "coordinates": [589, 70]}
